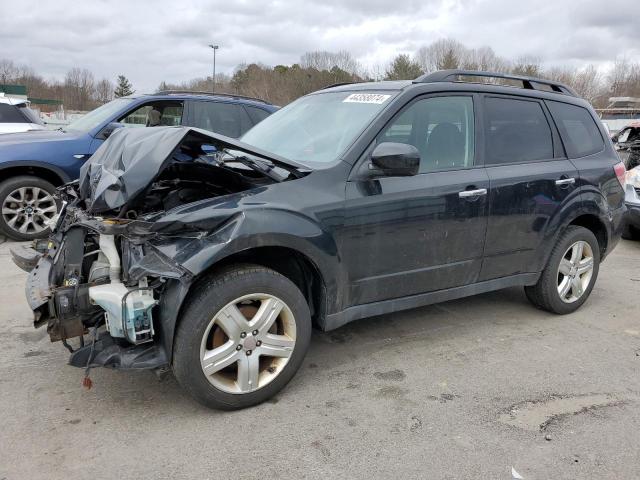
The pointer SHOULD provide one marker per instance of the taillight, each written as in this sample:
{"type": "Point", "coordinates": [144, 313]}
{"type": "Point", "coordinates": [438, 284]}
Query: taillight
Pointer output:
{"type": "Point", "coordinates": [621, 171]}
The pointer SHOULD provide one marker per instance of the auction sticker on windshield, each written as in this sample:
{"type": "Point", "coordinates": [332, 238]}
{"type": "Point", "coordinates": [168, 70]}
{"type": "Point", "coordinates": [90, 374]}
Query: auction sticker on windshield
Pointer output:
{"type": "Point", "coordinates": [366, 98]}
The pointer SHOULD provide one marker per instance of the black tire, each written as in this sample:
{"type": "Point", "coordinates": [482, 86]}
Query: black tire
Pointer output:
{"type": "Point", "coordinates": [208, 298]}
{"type": "Point", "coordinates": [629, 232]}
{"type": "Point", "coordinates": [9, 186]}
{"type": "Point", "coordinates": [544, 294]}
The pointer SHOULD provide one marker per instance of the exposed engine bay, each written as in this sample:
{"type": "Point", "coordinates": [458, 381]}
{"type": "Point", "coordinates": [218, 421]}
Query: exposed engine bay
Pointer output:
{"type": "Point", "coordinates": [102, 276]}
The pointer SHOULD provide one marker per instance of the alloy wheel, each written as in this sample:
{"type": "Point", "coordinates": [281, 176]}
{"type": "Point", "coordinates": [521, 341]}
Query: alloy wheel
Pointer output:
{"type": "Point", "coordinates": [248, 343]}
{"type": "Point", "coordinates": [27, 210]}
{"type": "Point", "coordinates": [575, 271]}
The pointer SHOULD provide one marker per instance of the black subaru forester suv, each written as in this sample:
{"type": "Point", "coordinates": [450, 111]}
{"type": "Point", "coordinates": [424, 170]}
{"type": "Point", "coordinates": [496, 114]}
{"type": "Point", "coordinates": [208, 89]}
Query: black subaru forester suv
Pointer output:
{"type": "Point", "coordinates": [183, 249]}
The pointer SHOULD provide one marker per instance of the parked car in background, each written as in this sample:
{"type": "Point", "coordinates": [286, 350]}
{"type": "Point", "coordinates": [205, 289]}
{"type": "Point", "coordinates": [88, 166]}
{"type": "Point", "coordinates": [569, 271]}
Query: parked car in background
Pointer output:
{"type": "Point", "coordinates": [16, 116]}
{"type": "Point", "coordinates": [33, 164]}
{"type": "Point", "coordinates": [631, 230]}
{"type": "Point", "coordinates": [627, 143]}
{"type": "Point", "coordinates": [192, 251]}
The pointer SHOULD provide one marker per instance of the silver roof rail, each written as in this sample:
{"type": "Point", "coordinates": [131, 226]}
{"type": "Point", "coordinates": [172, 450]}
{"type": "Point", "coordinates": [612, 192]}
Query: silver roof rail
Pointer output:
{"type": "Point", "coordinates": [528, 83]}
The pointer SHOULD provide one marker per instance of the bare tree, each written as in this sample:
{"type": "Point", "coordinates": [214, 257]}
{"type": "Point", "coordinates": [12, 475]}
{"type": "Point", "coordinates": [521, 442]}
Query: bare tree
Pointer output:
{"type": "Point", "coordinates": [527, 65]}
{"type": "Point", "coordinates": [104, 91]}
{"type": "Point", "coordinates": [323, 60]}
{"type": "Point", "coordinates": [443, 54]}
{"type": "Point", "coordinates": [79, 88]}
{"type": "Point", "coordinates": [8, 71]}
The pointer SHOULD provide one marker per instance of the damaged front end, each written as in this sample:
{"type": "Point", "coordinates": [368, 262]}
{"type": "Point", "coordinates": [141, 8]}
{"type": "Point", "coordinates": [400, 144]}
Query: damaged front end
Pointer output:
{"type": "Point", "coordinates": [106, 275]}
{"type": "Point", "coordinates": [97, 281]}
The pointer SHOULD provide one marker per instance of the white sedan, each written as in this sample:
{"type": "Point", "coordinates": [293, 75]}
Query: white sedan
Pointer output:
{"type": "Point", "coordinates": [16, 116]}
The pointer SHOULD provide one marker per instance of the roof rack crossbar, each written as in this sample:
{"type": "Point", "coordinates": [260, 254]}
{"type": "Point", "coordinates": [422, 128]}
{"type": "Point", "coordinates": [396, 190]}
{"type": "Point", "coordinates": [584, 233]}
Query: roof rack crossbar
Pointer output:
{"type": "Point", "coordinates": [216, 94]}
{"type": "Point", "coordinates": [528, 83]}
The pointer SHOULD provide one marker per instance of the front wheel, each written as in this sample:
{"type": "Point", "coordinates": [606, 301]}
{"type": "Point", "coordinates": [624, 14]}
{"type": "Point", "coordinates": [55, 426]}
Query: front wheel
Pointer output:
{"type": "Point", "coordinates": [242, 337]}
{"type": "Point", "coordinates": [28, 204]}
{"type": "Point", "coordinates": [567, 280]}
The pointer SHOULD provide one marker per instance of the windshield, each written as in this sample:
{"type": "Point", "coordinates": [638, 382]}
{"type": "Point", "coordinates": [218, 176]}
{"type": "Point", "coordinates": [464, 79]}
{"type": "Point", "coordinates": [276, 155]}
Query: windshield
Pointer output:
{"type": "Point", "coordinates": [98, 116]}
{"type": "Point", "coordinates": [30, 114]}
{"type": "Point", "coordinates": [317, 128]}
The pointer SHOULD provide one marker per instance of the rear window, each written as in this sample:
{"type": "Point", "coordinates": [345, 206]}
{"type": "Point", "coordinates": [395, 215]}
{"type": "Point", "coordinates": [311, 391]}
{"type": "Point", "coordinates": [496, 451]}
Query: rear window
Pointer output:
{"type": "Point", "coordinates": [516, 131]}
{"type": "Point", "coordinates": [579, 131]}
{"type": "Point", "coordinates": [10, 114]}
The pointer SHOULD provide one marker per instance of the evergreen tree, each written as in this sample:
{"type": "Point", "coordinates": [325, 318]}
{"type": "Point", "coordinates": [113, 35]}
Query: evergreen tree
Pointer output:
{"type": "Point", "coordinates": [403, 68]}
{"type": "Point", "coordinates": [123, 87]}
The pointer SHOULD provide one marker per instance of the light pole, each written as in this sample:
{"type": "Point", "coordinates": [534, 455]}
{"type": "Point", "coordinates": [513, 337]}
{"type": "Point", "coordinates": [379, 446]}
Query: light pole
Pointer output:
{"type": "Point", "coordinates": [213, 80]}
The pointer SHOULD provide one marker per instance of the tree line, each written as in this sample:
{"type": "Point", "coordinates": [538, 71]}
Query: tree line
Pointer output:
{"type": "Point", "coordinates": [78, 91]}
{"type": "Point", "coordinates": [281, 84]}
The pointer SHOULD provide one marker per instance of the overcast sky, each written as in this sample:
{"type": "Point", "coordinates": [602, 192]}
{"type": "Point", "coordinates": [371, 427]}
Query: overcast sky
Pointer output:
{"type": "Point", "coordinates": [167, 40]}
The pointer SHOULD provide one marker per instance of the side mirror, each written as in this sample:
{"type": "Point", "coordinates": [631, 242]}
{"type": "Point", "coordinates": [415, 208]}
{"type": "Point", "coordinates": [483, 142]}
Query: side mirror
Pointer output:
{"type": "Point", "coordinates": [395, 159]}
{"type": "Point", "coordinates": [109, 129]}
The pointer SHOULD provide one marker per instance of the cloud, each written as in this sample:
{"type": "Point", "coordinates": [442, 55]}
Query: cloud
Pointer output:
{"type": "Point", "coordinates": [167, 40]}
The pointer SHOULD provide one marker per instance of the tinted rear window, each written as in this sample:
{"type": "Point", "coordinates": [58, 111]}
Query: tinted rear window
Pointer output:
{"type": "Point", "coordinates": [10, 114]}
{"type": "Point", "coordinates": [580, 134]}
{"type": "Point", "coordinates": [225, 118]}
{"type": "Point", "coordinates": [256, 114]}
{"type": "Point", "coordinates": [516, 131]}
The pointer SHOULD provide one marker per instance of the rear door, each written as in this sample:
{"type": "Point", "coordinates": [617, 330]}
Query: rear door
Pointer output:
{"type": "Point", "coordinates": [409, 235]}
{"type": "Point", "coordinates": [530, 178]}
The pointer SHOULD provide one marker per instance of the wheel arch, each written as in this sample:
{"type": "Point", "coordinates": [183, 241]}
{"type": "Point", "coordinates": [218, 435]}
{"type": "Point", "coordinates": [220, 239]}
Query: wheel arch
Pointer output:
{"type": "Point", "coordinates": [50, 173]}
{"type": "Point", "coordinates": [290, 263]}
{"type": "Point", "coordinates": [596, 226]}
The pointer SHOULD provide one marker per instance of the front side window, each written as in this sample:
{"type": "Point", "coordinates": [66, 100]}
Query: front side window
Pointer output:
{"type": "Point", "coordinates": [315, 130]}
{"type": "Point", "coordinates": [516, 131]}
{"type": "Point", "coordinates": [166, 114]}
{"type": "Point", "coordinates": [580, 134]}
{"type": "Point", "coordinates": [441, 128]}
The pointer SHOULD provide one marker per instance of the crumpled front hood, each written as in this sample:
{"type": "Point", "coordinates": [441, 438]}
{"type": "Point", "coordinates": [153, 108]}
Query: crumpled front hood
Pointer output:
{"type": "Point", "coordinates": [132, 158]}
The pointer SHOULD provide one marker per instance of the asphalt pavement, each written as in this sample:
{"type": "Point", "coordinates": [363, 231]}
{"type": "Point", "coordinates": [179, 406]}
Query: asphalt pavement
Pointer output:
{"type": "Point", "coordinates": [486, 387]}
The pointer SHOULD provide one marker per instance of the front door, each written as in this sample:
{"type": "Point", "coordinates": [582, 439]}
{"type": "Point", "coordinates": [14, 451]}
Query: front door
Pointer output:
{"type": "Point", "coordinates": [409, 235]}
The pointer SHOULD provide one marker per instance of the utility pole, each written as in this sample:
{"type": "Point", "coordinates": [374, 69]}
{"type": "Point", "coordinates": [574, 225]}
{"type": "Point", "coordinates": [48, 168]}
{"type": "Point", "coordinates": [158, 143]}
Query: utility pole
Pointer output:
{"type": "Point", "coordinates": [213, 80]}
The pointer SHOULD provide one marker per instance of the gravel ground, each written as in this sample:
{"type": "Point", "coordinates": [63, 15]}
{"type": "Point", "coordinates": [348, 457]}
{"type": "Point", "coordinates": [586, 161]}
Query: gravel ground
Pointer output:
{"type": "Point", "coordinates": [466, 389]}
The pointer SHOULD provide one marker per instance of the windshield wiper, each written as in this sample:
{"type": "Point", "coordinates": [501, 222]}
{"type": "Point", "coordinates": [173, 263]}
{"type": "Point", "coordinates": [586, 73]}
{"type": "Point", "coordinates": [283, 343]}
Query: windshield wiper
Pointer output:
{"type": "Point", "coordinates": [263, 166]}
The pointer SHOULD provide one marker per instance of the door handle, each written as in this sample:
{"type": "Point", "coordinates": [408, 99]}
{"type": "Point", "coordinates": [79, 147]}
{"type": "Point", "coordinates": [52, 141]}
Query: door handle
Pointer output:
{"type": "Point", "coordinates": [472, 193]}
{"type": "Point", "coordinates": [566, 181]}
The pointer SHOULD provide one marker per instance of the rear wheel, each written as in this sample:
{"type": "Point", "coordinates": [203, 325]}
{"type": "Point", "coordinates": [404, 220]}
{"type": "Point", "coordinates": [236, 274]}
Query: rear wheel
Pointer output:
{"type": "Point", "coordinates": [567, 281]}
{"type": "Point", "coordinates": [27, 204]}
{"type": "Point", "coordinates": [629, 232]}
{"type": "Point", "coordinates": [241, 338]}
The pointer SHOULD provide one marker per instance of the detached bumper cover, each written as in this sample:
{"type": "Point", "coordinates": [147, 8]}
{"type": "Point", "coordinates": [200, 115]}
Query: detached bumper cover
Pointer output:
{"type": "Point", "coordinates": [25, 257]}
{"type": "Point", "coordinates": [107, 353]}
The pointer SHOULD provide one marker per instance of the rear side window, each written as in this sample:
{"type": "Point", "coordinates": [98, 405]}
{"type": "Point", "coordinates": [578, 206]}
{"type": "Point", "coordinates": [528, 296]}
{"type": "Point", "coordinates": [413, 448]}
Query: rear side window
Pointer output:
{"type": "Point", "coordinates": [227, 119]}
{"type": "Point", "coordinates": [256, 114]}
{"type": "Point", "coordinates": [516, 131]}
{"type": "Point", "coordinates": [580, 134]}
{"type": "Point", "coordinates": [10, 114]}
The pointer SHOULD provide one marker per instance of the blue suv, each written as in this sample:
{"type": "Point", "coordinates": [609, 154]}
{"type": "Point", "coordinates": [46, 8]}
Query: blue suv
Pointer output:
{"type": "Point", "coordinates": [33, 164]}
